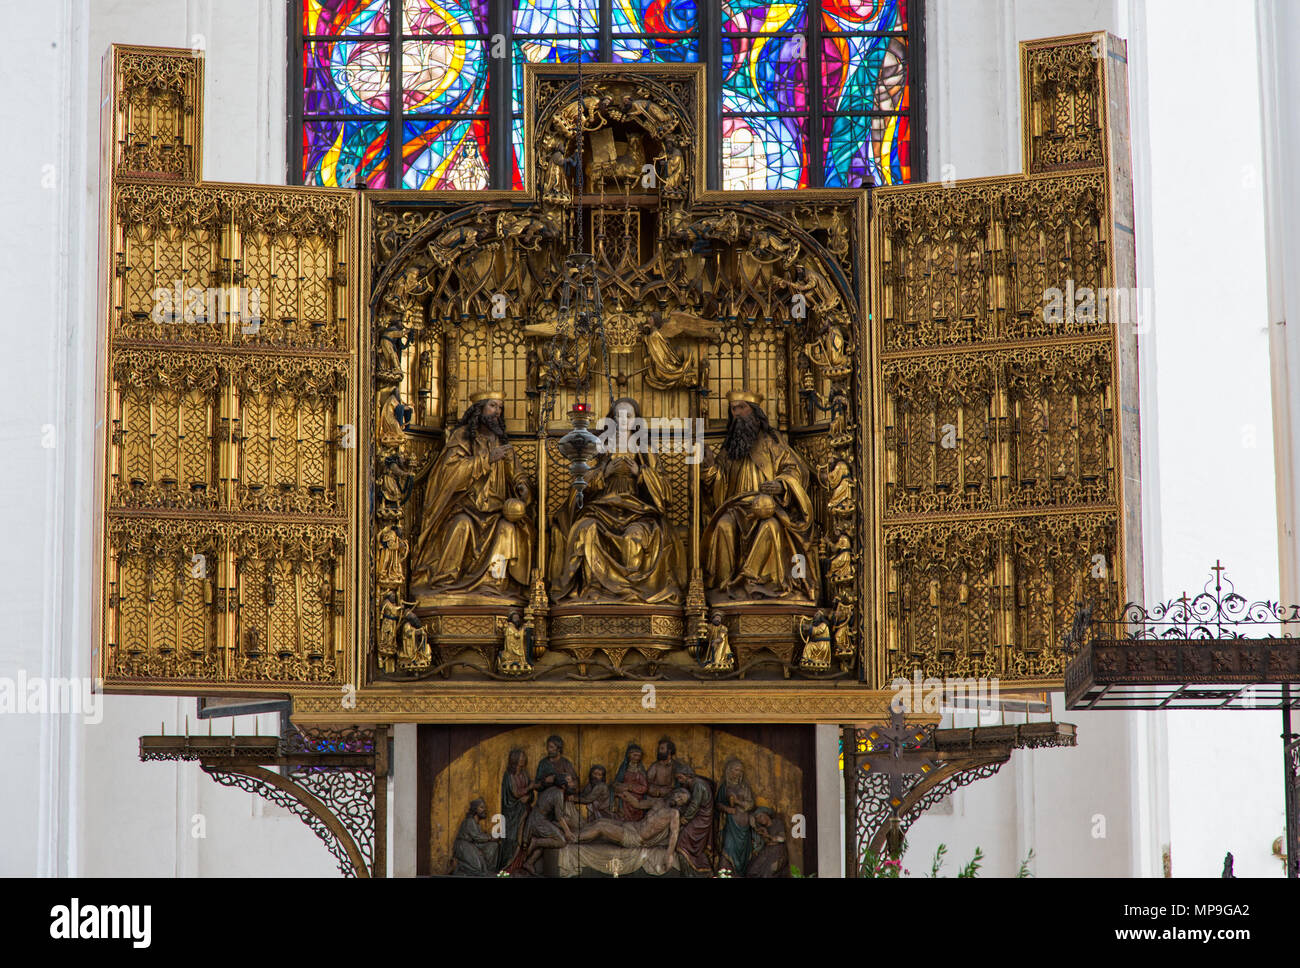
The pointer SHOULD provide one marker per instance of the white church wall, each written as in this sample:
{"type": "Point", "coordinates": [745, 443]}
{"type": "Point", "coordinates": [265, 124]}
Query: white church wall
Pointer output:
{"type": "Point", "coordinates": [1215, 436]}
{"type": "Point", "coordinates": [142, 818]}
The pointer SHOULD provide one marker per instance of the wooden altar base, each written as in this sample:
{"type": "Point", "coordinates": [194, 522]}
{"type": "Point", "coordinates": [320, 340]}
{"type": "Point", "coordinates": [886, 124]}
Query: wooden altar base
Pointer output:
{"type": "Point", "coordinates": [613, 630]}
{"type": "Point", "coordinates": [754, 628]}
{"type": "Point", "coordinates": [457, 628]}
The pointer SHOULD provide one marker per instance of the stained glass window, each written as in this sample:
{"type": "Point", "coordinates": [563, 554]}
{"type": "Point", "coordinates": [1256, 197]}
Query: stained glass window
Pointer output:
{"type": "Point", "coordinates": [812, 92]}
{"type": "Point", "coordinates": [816, 92]}
{"type": "Point", "coordinates": [379, 73]}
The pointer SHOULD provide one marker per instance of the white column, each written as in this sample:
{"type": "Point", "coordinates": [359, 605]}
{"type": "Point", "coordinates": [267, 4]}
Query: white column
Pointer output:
{"type": "Point", "coordinates": [403, 802]}
{"type": "Point", "coordinates": [830, 794]}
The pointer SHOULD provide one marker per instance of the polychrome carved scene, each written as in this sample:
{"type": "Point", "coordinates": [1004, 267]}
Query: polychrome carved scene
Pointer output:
{"type": "Point", "coordinates": [621, 801]}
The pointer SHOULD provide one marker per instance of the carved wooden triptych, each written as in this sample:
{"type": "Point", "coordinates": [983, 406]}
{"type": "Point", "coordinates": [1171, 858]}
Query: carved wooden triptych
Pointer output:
{"type": "Point", "coordinates": [883, 431]}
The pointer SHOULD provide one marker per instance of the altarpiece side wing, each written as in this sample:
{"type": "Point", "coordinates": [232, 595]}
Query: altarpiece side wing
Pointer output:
{"type": "Point", "coordinates": [228, 389]}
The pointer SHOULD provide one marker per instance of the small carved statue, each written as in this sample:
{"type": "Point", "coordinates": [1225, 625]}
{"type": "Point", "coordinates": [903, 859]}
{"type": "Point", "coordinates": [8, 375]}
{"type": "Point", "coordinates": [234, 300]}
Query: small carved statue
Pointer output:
{"type": "Point", "coordinates": [831, 352]}
{"type": "Point", "coordinates": [547, 827]}
{"type": "Point", "coordinates": [819, 291]}
{"type": "Point", "coordinates": [620, 545]}
{"type": "Point", "coordinates": [392, 554]}
{"type": "Point", "coordinates": [816, 635]}
{"type": "Point", "coordinates": [668, 368]}
{"type": "Point", "coordinates": [554, 184]}
{"type": "Point", "coordinates": [659, 826]}
{"type": "Point", "coordinates": [596, 795]}
{"type": "Point", "coordinates": [390, 616]}
{"type": "Point", "coordinates": [391, 343]}
{"type": "Point", "coordinates": [722, 228]}
{"type": "Point", "coordinates": [516, 794]}
{"type": "Point", "coordinates": [838, 480]}
{"type": "Point", "coordinates": [840, 569]}
{"type": "Point", "coordinates": [650, 115]}
{"type": "Point", "coordinates": [632, 779]}
{"type": "Point", "coordinates": [843, 630]}
{"type": "Point", "coordinates": [735, 802]}
{"type": "Point", "coordinates": [719, 657]}
{"type": "Point", "coordinates": [513, 658]}
{"type": "Point", "coordinates": [454, 242]}
{"type": "Point", "coordinates": [394, 481]}
{"type": "Point", "coordinates": [772, 859]}
{"type": "Point", "coordinates": [674, 177]}
{"type": "Point", "coordinates": [415, 654]}
{"type": "Point", "coordinates": [767, 245]}
{"type": "Point", "coordinates": [394, 415]}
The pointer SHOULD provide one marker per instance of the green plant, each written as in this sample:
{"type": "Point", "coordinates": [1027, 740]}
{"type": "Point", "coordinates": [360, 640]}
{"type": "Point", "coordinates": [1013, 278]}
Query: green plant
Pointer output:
{"type": "Point", "coordinates": [882, 865]}
{"type": "Point", "coordinates": [972, 869]}
{"type": "Point", "coordinates": [939, 853]}
{"type": "Point", "coordinates": [1024, 865]}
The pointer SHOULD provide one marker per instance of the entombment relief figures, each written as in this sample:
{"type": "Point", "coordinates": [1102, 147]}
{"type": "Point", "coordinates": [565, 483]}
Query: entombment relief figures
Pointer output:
{"type": "Point", "coordinates": [735, 803]}
{"type": "Point", "coordinates": [771, 855]}
{"type": "Point", "coordinates": [620, 546]}
{"type": "Point", "coordinates": [685, 826]}
{"type": "Point", "coordinates": [475, 546]}
{"type": "Point", "coordinates": [630, 784]}
{"type": "Point", "coordinates": [758, 543]}
{"type": "Point", "coordinates": [475, 849]}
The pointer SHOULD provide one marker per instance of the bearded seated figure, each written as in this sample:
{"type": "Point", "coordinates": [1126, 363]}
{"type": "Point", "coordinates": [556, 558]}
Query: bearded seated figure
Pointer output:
{"type": "Point", "coordinates": [619, 546]}
{"type": "Point", "coordinates": [758, 544]}
{"type": "Point", "coordinates": [475, 543]}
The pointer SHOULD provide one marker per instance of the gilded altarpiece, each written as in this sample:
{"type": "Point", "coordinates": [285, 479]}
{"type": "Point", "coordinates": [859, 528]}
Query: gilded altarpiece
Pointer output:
{"type": "Point", "coordinates": [229, 395]}
{"type": "Point", "coordinates": [904, 462]}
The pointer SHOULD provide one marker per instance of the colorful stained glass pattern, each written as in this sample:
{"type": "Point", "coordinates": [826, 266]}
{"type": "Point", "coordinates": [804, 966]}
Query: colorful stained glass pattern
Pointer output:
{"type": "Point", "coordinates": [770, 100]}
{"type": "Point", "coordinates": [444, 17]}
{"type": "Point", "coordinates": [761, 16]}
{"type": "Point", "coordinates": [655, 50]}
{"type": "Point", "coordinates": [653, 16]}
{"type": "Point", "coordinates": [864, 73]}
{"type": "Point", "coordinates": [761, 153]}
{"type": "Point", "coordinates": [443, 76]}
{"type": "Point", "coordinates": [330, 149]}
{"type": "Point", "coordinates": [345, 17]}
{"type": "Point", "coordinates": [450, 154]}
{"type": "Point", "coordinates": [556, 16]}
{"type": "Point", "coordinates": [344, 77]}
{"type": "Point", "coordinates": [516, 152]}
{"type": "Point", "coordinates": [880, 16]}
{"type": "Point", "coordinates": [764, 74]}
{"type": "Point", "coordinates": [867, 149]}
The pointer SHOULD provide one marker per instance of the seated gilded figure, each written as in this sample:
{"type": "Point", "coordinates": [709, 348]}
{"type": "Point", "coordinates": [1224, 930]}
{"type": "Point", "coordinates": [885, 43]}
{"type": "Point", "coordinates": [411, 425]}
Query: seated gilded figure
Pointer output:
{"type": "Point", "coordinates": [758, 543]}
{"type": "Point", "coordinates": [619, 546]}
{"type": "Point", "coordinates": [475, 544]}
